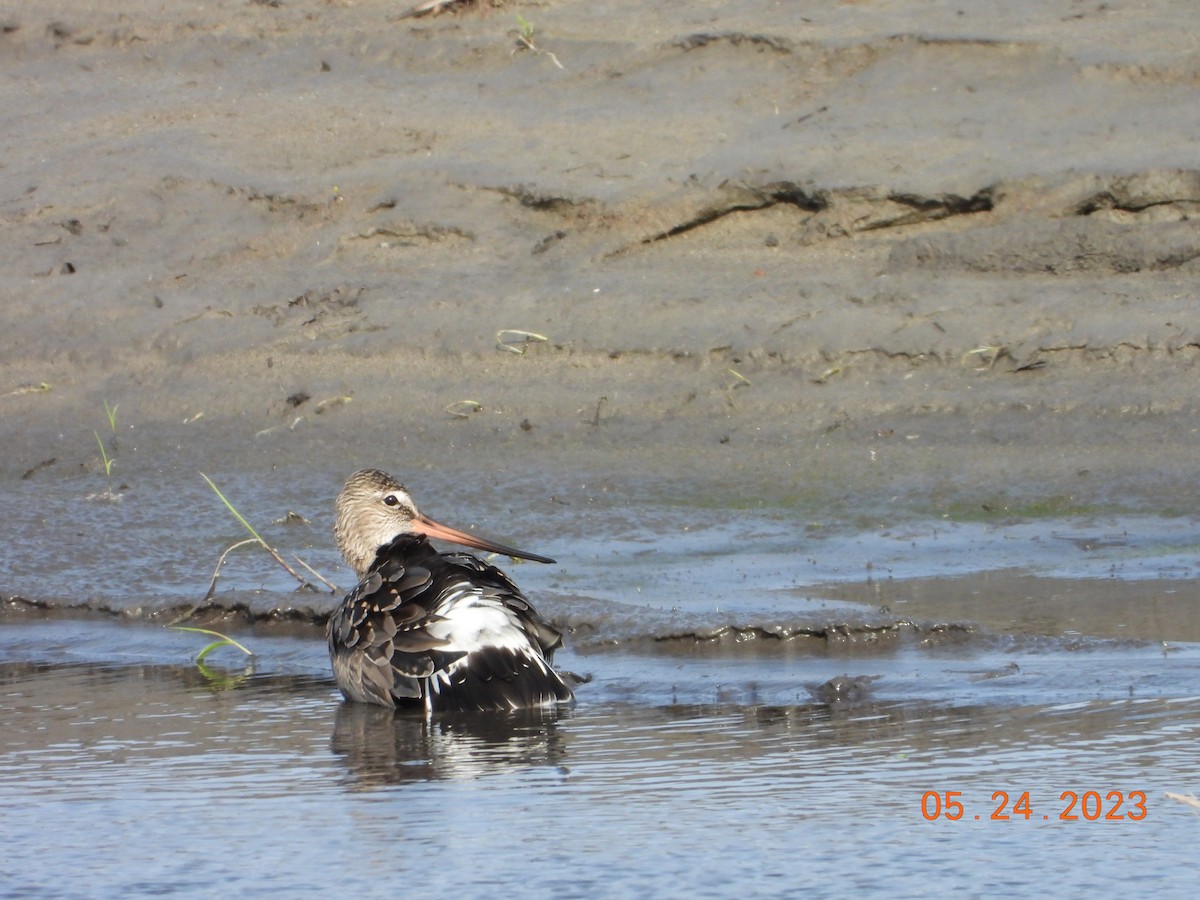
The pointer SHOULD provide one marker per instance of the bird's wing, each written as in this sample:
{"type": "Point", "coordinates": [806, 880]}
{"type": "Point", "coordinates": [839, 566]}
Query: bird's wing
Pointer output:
{"type": "Point", "coordinates": [508, 646]}
{"type": "Point", "coordinates": [495, 584]}
{"type": "Point", "coordinates": [379, 639]}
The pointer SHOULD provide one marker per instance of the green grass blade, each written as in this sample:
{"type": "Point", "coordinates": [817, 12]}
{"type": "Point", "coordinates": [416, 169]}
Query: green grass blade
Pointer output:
{"type": "Point", "coordinates": [224, 639]}
{"type": "Point", "coordinates": [230, 506]}
{"type": "Point", "coordinates": [209, 649]}
{"type": "Point", "coordinates": [104, 454]}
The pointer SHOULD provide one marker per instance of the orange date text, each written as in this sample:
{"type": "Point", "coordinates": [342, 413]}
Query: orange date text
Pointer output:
{"type": "Point", "coordinates": [1071, 806]}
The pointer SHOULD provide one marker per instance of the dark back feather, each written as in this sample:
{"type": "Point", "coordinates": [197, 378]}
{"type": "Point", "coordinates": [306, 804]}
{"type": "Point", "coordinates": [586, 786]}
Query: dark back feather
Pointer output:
{"type": "Point", "coordinates": [383, 653]}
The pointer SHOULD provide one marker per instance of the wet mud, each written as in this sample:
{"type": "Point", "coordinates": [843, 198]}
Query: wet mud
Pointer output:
{"type": "Point", "coordinates": [803, 254]}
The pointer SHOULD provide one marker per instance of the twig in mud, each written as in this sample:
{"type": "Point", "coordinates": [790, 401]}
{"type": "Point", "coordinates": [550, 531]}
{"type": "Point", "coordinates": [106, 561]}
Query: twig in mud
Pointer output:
{"type": "Point", "coordinates": [1030, 365]}
{"type": "Point", "coordinates": [212, 585]}
{"type": "Point", "coordinates": [740, 379]}
{"type": "Point", "coordinates": [525, 39]}
{"type": "Point", "coordinates": [431, 7]}
{"type": "Point", "coordinates": [804, 118]}
{"type": "Point", "coordinates": [40, 388]}
{"type": "Point", "coordinates": [33, 470]}
{"type": "Point", "coordinates": [505, 335]}
{"type": "Point", "coordinates": [290, 426]}
{"type": "Point", "coordinates": [258, 537]}
{"type": "Point", "coordinates": [330, 403]}
{"type": "Point", "coordinates": [462, 409]}
{"type": "Point", "coordinates": [988, 356]}
{"type": "Point", "coordinates": [599, 406]}
{"type": "Point", "coordinates": [317, 575]}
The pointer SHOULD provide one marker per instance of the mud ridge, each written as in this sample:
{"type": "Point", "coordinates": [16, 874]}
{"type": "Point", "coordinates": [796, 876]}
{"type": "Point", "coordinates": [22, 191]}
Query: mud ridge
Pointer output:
{"type": "Point", "coordinates": [583, 634]}
{"type": "Point", "coordinates": [733, 38]}
{"type": "Point", "coordinates": [744, 198]}
{"type": "Point", "coordinates": [842, 633]}
{"type": "Point", "coordinates": [1179, 188]}
{"type": "Point", "coordinates": [17, 607]}
{"type": "Point", "coordinates": [1055, 247]}
{"type": "Point", "coordinates": [1095, 243]}
{"type": "Point", "coordinates": [532, 198]}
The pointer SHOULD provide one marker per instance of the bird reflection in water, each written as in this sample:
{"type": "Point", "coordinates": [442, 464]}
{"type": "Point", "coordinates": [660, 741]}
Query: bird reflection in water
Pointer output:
{"type": "Point", "coordinates": [380, 746]}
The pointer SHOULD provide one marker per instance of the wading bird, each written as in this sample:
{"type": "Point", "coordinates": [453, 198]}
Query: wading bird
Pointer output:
{"type": "Point", "coordinates": [439, 631]}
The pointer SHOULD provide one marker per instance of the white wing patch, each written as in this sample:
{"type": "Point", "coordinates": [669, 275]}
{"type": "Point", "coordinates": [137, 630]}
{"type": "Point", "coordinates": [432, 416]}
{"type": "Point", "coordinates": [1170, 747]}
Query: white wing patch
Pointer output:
{"type": "Point", "coordinates": [470, 620]}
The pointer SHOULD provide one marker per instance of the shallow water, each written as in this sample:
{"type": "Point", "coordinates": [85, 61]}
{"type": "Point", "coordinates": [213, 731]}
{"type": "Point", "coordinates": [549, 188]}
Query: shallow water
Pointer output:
{"type": "Point", "coordinates": [769, 702]}
{"type": "Point", "coordinates": [147, 778]}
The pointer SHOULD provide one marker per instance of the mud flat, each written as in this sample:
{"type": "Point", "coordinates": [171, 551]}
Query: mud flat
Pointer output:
{"type": "Point", "coordinates": [776, 252]}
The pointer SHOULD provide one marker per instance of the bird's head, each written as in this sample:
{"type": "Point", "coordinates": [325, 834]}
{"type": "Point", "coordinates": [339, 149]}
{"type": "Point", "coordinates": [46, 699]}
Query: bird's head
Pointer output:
{"type": "Point", "coordinates": [374, 508]}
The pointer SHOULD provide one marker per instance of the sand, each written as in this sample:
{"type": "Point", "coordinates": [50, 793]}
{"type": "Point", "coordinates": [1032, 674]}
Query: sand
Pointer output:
{"type": "Point", "coordinates": [936, 255]}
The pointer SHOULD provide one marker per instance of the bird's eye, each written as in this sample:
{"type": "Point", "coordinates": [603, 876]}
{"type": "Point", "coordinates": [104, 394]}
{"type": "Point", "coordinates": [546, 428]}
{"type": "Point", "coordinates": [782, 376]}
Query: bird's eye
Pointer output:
{"type": "Point", "coordinates": [391, 500]}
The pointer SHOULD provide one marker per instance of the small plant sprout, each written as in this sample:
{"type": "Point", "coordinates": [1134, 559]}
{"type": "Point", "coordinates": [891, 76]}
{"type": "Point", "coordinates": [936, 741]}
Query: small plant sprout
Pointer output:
{"type": "Point", "coordinates": [219, 679]}
{"type": "Point", "coordinates": [525, 30]}
{"type": "Point", "coordinates": [223, 640]}
{"type": "Point", "coordinates": [525, 40]}
{"type": "Point", "coordinates": [104, 457]}
{"type": "Point", "coordinates": [108, 455]}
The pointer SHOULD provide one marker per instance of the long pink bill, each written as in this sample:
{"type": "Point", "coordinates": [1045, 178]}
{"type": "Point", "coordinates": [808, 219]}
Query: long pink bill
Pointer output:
{"type": "Point", "coordinates": [422, 524]}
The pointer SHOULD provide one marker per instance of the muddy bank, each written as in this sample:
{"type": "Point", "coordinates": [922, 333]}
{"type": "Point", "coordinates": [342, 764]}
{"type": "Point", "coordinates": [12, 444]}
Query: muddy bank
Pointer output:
{"type": "Point", "coordinates": [820, 254]}
{"type": "Point", "coordinates": [635, 571]}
